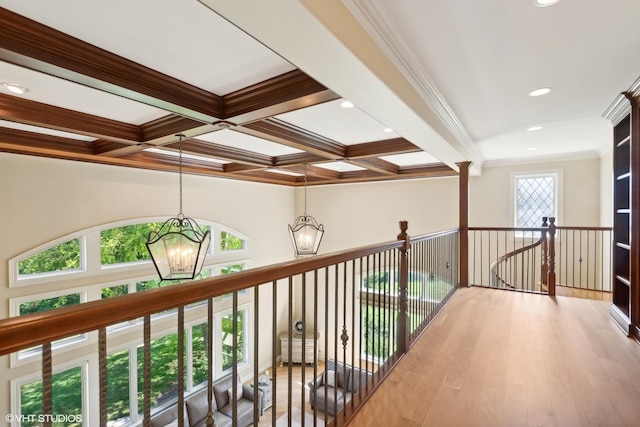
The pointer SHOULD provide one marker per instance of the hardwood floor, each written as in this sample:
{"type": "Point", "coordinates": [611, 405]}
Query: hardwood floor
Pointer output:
{"type": "Point", "coordinates": [498, 358]}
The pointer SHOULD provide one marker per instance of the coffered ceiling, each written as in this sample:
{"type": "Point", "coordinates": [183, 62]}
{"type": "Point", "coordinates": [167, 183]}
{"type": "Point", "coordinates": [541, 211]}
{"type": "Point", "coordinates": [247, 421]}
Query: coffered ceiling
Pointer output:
{"type": "Point", "coordinates": [257, 87]}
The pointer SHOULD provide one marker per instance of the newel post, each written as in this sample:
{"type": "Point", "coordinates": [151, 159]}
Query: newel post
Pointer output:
{"type": "Point", "coordinates": [403, 279]}
{"type": "Point", "coordinates": [545, 255]}
{"type": "Point", "coordinates": [463, 217]}
{"type": "Point", "coordinates": [551, 250]}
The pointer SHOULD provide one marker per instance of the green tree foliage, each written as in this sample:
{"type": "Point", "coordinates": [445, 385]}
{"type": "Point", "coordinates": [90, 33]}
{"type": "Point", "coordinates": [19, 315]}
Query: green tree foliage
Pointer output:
{"type": "Point", "coordinates": [38, 306]}
{"type": "Point", "coordinates": [229, 242]}
{"type": "Point", "coordinates": [376, 332]}
{"type": "Point", "coordinates": [65, 256]}
{"type": "Point", "coordinates": [118, 385]}
{"type": "Point", "coordinates": [115, 291]}
{"type": "Point", "coordinates": [126, 244]}
{"type": "Point", "coordinates": [67, 397]}
{"type": "Point", "coordinates": [228, 338]}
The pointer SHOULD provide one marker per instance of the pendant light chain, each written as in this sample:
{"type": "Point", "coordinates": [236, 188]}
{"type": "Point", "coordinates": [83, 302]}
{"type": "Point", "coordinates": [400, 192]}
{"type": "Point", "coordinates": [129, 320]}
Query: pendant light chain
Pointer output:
{"type": "Point", "coordinates": [180, 215]}
{"type": "Point", "coordinates": [305, 190]}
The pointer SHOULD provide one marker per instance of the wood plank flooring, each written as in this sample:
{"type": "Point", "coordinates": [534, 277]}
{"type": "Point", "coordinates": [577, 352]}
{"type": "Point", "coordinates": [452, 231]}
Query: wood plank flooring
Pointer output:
{"type": "Point", "coordinates": [499, 358]}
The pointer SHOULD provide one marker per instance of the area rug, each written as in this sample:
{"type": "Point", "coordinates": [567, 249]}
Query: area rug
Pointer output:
{"type": "Point", "coordinates": [296, 419]}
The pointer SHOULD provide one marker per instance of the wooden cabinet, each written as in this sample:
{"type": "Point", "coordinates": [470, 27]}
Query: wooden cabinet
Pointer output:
{"type": "Point", "coordinates": [301, 349]}
{"type": "Point", "coordinates": [626, 224]}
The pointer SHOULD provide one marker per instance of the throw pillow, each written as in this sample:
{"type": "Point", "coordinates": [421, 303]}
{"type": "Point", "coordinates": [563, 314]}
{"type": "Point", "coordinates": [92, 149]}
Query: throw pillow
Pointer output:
{"type": "Point", "coordinates": [330, 378]}
{"type": "Point", "coordinates": [238, 394]}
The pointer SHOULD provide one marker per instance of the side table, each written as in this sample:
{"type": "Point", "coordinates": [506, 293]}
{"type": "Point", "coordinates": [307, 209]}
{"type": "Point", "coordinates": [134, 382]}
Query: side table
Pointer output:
{"type": "Point", "coordinates": [265, 386]}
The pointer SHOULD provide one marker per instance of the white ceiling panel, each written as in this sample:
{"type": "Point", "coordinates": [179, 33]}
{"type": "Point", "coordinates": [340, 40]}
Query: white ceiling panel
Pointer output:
{"type": "Point", "coordinates": [61, 93]}
{"type": "Point", "coordinates": [409, 159]}
{"type": "Point", "coordinates": [344, 125]}
{"type": "Point", "coordinates": [183, 39]}
{"type": "Point", "coordinates": [230, 138]}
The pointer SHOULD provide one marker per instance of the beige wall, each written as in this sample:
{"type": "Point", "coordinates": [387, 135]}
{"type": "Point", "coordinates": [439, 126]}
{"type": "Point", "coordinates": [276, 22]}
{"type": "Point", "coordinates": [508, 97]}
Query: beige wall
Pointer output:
{"type": "Point", "coordinates": [490, 200]}
{"type": "Point", "coordinates": [606, 190]}
{"type": "Point", "coordinates": [44, 199]}
{"type": "Point", "coordinates": [362, 214]}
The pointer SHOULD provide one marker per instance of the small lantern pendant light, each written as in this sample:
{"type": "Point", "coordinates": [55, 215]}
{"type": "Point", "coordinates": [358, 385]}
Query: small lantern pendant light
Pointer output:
{"type": "Point", "coordinates": [305, 232]}
{"type": "Point", "coordinates": [179, 247]}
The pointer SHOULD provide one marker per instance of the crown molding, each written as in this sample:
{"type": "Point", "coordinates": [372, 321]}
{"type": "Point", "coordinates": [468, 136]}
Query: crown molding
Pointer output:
{"type": "Point", "coordinates": [373, 16]}
{"type": "Point", "coordinates": [621, 106]}
{"type": "Point", "coordinates": [593, 154]}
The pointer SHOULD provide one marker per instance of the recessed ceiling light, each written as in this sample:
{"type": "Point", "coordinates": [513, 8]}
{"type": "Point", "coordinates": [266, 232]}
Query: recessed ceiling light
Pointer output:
{"type": "Point", "coordinates": [15, 88]}
{"type": "Point", "coordinates": [540, 92]}
{"type": "Point", "coordinates": [532, 149]}
{"type": "Point", "coordinates": [544, 3]}
{"type": "Point", "coordinates": [388, 130]}
{"type": "Point", "coordinates": [534, 128]}
{"type": "Point", "coordinates": [346, 104]}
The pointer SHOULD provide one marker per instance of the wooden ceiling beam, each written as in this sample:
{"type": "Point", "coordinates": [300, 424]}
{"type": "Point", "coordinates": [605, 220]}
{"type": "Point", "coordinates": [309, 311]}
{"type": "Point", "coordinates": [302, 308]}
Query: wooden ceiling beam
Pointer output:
{"type": "Point", "coordinates": [22, 139]}
{"type": "Point", "coordinates": [292, 136]}
{"type": "Point", "coordinates": [35, 46]}
{"type": "Point", "coordinates": [278, 95]}
{"type": "Point", "coordinates": [20, 110]}
{"type": "Point", "coordinates": [384, 147]}
{"type": "Point", "coordinates": [222, 152]}
{"type": "Point", "coordinates": [377, 165]}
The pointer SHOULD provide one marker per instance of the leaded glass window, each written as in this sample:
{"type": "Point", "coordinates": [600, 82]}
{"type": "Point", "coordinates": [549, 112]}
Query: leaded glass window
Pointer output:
{"type": "Point", "coordinates": [535, 198]}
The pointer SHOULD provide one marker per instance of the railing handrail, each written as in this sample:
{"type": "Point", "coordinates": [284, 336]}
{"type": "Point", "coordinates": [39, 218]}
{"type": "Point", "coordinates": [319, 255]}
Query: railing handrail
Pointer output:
{"type": "Point", "coordinates": [541, 229]}
{"type": "Point", "coordinates": [414, 239]}
{"type": "Point", "coordinates": [505, 257]}
{"type": "Point", "coordinates": [558, 227]}
{"type": "Point", "coordinates": [582, 228]}
{"type": "Point", "coordinates": [21, 332]}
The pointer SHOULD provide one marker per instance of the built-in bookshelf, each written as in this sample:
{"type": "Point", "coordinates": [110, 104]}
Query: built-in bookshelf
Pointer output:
{"type": "Point", "coordinates": [621, 309]}
{"type": "Point", "coordinates": [626, 224]}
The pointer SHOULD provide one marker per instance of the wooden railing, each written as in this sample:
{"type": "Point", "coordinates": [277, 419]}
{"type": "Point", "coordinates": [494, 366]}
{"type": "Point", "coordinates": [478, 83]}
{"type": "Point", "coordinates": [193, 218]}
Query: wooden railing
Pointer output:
{"type": "Point", "coordinates": [363, 307]}
{"type": "Point", "coordinates": [540, 259]}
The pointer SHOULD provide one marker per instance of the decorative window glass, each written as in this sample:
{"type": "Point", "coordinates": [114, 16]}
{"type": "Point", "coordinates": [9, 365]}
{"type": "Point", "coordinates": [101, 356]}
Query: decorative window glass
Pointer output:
{"type": "Point", "coordinates": [535, 197]}
{"type": "Point", "coordinates": [62, 257]}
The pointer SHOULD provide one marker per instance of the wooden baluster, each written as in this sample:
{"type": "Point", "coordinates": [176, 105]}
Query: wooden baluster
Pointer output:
{"type": "Point", "coordinates": [551, 276]}
{"type": "Point", "coordinates": [102, 374]}
{"type": "Point", "coordinates": [147, 370]}
{"type": "Point", "coordinates": [545, 255]}
{"type": "Point", "coordinates": [181, 366]}
{"type": "Point", "coordinates": [47, 383]}
{"type": "Point", "coordinates": [463, 217]}
{"type": "Point", "coordinates": [403, 278]}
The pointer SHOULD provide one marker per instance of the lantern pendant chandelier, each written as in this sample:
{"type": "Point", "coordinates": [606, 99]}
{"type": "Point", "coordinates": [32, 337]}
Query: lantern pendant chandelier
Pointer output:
{"type": "Point", "coordinates": [179, 247]}
{"type": "Point", "coordinates": [305, 232]}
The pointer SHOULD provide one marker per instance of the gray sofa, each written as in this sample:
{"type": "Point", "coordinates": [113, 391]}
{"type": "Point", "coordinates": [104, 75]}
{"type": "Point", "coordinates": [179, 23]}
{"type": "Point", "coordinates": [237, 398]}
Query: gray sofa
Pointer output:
{"type": "Point", "coordinates": [196, 407]}
{"type": "Point", "coordinates": [332, 389]}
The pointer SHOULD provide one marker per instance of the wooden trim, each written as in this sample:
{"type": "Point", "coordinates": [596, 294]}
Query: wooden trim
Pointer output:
{"type": "Point", "coordinates": [292, 136]}
{"type": "Point", "coordinates": [21, 332]}
{"type": "Point", "coordinates": [280, 94]}
{"type": "Point", "coordinates": [35, 46]}
{"type": "Point", "coordinates": [634, 254]}
{"type": "Point", "coordinates": [463, 218]}
{"type": "Point", "coordinates": [22, 138]}
{"type": "Point", "coordinates": [34, 113]}
{"type": "Point", "coordinates": [377, 165]}
{"type": "Point", "coordinates": [384, 147]}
